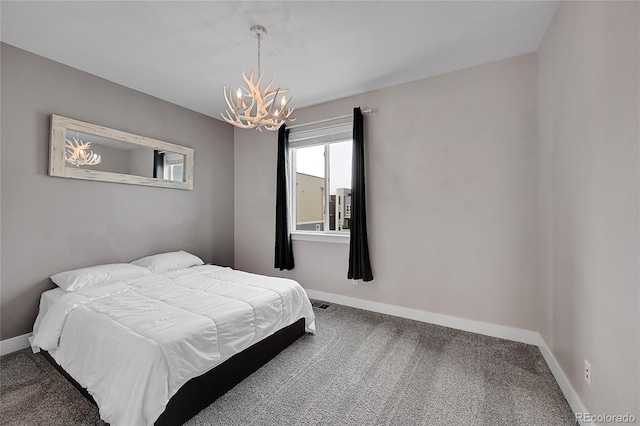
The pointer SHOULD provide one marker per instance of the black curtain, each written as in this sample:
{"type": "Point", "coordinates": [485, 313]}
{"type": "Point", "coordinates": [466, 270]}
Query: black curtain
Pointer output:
{"type": "Point", "coordinates": [158, 164]}
{"type": "Point", "coordinates": [359, 265]}
{"type": "Point", "coordinates": [284, 250]}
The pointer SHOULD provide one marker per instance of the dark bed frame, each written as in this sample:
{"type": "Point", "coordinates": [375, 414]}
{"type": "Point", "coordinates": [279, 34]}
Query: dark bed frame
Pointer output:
{"type": "Point", "coordinates": [199, 392]}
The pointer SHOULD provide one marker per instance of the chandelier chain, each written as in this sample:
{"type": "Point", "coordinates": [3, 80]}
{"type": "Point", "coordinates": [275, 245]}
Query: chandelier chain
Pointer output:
{"type": "Point", "coordinates": [258, 54]}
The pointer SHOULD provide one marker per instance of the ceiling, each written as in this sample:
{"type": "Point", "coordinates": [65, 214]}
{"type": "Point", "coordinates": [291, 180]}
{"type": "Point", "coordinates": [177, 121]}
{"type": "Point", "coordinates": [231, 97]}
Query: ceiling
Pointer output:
{"type": "Point", "coordinates": [185, 52]}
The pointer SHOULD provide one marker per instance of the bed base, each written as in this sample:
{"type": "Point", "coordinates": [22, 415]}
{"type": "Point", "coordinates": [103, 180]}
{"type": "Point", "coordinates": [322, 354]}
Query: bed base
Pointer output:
{"type": "Point", "coordinates": [199, 392]}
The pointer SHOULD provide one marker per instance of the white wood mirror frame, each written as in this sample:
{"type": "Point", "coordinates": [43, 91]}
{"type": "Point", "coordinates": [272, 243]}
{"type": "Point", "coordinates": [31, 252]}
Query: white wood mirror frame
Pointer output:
{"type": "Point", "coordinates": [58, 166]}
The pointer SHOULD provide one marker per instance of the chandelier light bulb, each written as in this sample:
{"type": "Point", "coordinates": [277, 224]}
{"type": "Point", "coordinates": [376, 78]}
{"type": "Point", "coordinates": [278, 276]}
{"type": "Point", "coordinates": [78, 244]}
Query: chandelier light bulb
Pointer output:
{"type": "Point", "coordinates": [239, 97]}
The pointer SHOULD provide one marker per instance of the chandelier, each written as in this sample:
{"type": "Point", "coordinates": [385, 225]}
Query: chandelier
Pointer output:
{"type": "Point", "coordinates": [78, 153]}
{"type": "Point", "coordinates": [253, 107]}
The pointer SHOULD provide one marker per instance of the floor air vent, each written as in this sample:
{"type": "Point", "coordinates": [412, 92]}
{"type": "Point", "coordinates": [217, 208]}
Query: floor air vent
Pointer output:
{"type": "Point", "coordinates": [320, 305]}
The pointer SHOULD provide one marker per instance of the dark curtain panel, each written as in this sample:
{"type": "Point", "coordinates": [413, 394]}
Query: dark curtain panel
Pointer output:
{"type": "Point", "coordinates": [284, 250]}
{"type": "Point", "coordinates": [158, 164]}
{"type": "Point", "coordinates": [359, 265]}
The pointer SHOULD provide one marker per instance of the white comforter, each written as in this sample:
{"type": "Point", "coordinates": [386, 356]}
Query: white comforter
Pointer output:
{"type": "Point", "coordinates": [134, 344]}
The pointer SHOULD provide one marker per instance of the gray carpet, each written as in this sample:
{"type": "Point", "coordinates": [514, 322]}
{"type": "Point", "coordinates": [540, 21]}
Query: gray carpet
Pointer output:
{"type": "Point", "coordinates": [32, 392]}
{"type": "Point", "coordinates": [362, 368]}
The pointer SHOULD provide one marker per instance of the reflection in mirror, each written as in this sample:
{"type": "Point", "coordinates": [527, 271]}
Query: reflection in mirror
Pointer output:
{"type": "Point", "coordinates": [81, 150]}
{"type": "Point", "coordinates": [93, 152]}
{"type": "Point", "coordinates": [168, 166]}
{"type": "Point", "coordinates": [78, 153]}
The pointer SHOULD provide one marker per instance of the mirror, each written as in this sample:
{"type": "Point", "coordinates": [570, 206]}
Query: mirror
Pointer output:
{"type": "Point", "coordinates": [82, 150]}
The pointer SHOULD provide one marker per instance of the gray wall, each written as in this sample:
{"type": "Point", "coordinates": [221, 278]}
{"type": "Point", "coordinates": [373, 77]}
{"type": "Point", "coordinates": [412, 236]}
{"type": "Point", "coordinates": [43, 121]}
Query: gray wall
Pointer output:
{"type": "Point", "coordinates": [452, 196]}
{"type": "Point", "coordinates": [589, 190]}
{"type": "Point", "coordinates": [53, 224]}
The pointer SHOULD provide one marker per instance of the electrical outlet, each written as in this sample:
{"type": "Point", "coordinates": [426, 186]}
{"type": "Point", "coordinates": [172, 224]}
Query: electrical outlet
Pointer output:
{"type": "Point", "coordinates": [587, 372]}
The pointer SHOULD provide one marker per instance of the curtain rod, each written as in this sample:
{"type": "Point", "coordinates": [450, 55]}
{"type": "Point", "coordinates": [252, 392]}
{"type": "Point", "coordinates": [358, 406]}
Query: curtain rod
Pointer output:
{"type": "Point", "coordinates": [364, 111]}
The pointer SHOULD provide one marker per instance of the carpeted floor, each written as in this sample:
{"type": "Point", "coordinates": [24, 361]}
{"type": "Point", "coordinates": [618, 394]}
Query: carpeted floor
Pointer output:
{"type": "Point", "coordinates": [362, 368]}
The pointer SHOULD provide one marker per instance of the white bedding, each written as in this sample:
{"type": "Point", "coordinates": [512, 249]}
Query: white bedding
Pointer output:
{"type": "Point", "coordinates": [133, 344]}
{"type": "Point", "coordinates": [47, 299]}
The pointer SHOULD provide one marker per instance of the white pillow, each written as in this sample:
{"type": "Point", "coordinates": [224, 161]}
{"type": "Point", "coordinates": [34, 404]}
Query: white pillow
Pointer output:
{"type": "Point", "coordinates": [94, 275]}
{"type": "Point", "coordinates": [165, 262]}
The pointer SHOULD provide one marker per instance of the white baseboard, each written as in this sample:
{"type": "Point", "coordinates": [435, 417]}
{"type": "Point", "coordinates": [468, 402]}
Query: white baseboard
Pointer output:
{"type": "Point", "coordinates": [570, 394]}
{"type": "Point", "coordinates": [14, 344]}
{"type": "Point", "coordinates": [488, 329]}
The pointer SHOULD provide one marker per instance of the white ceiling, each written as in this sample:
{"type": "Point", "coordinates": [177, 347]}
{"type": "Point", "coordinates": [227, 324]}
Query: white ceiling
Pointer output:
{"type": "Point", "coordinates": [186, 51]}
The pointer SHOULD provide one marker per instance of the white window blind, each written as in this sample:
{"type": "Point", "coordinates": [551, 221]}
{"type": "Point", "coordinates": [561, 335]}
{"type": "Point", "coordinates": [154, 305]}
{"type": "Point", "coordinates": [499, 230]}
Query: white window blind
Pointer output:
{"type": "Point", "coordinates": [329, 134]}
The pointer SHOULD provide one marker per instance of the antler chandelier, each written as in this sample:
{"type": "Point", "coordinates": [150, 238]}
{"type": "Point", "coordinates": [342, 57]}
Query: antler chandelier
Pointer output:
{"type": "Point", "coordinates": [254, 107]}
{"type": "Point", "coordinates": [78, 153]}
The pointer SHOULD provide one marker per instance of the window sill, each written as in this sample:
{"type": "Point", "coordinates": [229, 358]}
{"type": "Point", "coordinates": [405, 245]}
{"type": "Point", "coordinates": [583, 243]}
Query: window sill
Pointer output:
{"type": "Point", "coordinates": [320, 237]}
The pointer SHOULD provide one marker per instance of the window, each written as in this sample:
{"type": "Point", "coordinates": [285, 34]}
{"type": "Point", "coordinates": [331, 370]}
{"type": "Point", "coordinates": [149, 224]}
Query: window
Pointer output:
{"type": "Point", "coordinates": [321, 180]}
{"type": "Point", "coordinates": [173, 167]}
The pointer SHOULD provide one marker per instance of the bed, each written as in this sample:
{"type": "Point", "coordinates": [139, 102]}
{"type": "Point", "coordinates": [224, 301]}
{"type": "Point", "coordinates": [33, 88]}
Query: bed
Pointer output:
{"type": "Point", "coordinates": [159, 348]}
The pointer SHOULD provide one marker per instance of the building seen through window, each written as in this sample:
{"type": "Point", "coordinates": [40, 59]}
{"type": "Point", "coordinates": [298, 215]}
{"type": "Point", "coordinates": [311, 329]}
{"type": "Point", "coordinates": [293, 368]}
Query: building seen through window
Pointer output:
{"type": "Point", "coordinates": [310, 205]}
{"type": "Point", "coordinates": [317, 168]}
